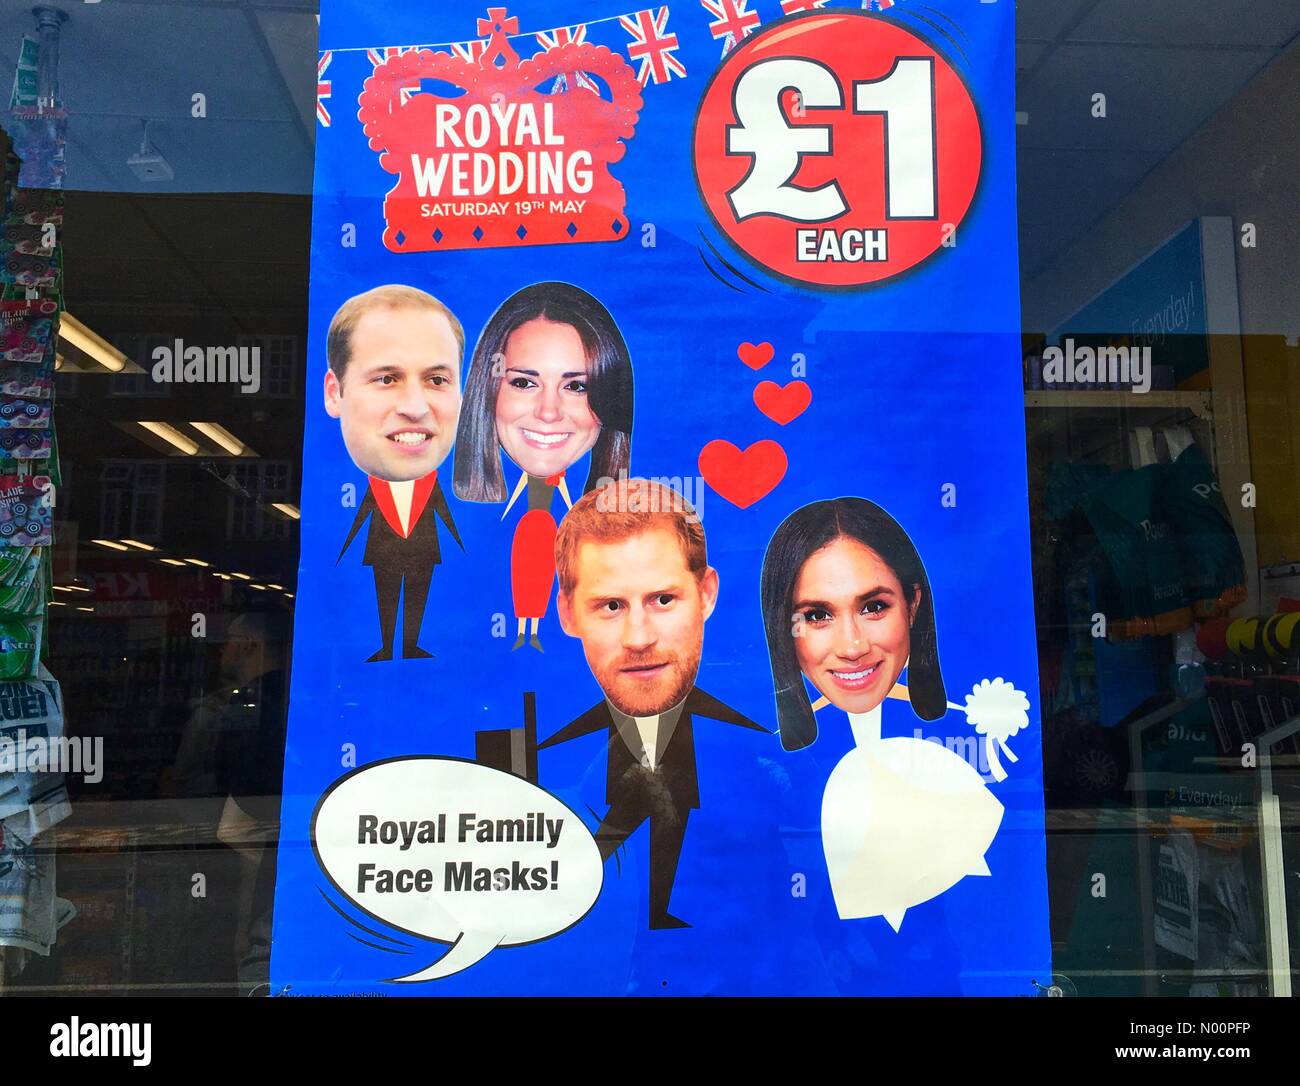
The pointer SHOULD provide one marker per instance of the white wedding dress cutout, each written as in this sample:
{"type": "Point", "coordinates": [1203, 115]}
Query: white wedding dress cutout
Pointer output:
{"type": "Point", "coordinates": [903, 820]}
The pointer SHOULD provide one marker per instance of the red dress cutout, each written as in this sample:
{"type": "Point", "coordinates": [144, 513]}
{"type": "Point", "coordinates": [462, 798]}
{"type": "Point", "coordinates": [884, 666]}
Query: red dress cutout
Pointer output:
{"type": "Point", "coordinates": [532, 560]}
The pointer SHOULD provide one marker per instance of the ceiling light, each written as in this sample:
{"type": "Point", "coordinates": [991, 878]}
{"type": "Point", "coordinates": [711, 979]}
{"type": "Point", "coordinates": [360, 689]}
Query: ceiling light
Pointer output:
{"type": "Point", "coordinates": [277, 587]}
{"type": "Point", "coordinates": [172, 436]}
{"type": "Point", "coordinates": [242, 576]}
{"type": "Point", "coordinates": [214, 431]}
{"type": "Point", "coordinates": [70, 588]}
{"type": "Point", "coordinates": [110, 544]}
{"type": "Point", "coordinates": [57, 603]}
{"type": "Point", "coordinates": [290, 511]}
{"type": "Point", "coordinates": [88, 342]}
{"type": "Point", "coordinates": [136, 543]}
{"type": "Point", "coordinates": [288, 595]}
{"type": "Point", "coordinates": [196, 562]}
{"type": "Point", "coordinates": [259, 587]}
{"type": "Point", "coordinates": [171, 561]}
{"type": "Point", "coordinates": [91, 609]}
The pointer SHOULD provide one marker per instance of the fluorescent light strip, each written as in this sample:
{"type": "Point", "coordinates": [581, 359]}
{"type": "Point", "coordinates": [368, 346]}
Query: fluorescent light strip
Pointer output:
{"type": "Point", "coordinates": [110, 544]}
{"type": "Point", "coordinates": [290, 511]}
{"type": "Point", "coordinates": [70, 588]}
{"type": "Point", "coordinates": [171, 561]}
{"type": "Point", "coordinates": [259, 587]}
{"type": "Point", "coordinates": [91, 609]}
{"type": "Point", "coordinates": [90, 343]}
{"type": "Point", "coordinates": [217, 433]}
{"type": "Point", "coordinates": [172, 436]}
{"type": "Point", "coordinates": [138, 545]}
{"type": "Point", "coordinates": [196, 562]}
{"type": "Point", "coordinates": [242, 576]}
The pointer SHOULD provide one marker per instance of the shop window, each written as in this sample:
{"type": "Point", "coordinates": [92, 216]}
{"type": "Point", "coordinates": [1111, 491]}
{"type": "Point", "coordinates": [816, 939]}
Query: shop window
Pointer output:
{"type": "Point", "coordinates": [249, 515]}
{"type": "Point", "coordinates": [131, 499]}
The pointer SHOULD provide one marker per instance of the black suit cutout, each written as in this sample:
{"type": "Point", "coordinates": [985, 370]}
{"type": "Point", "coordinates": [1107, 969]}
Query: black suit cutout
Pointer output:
{"type": "Point", "coordinates": [665, 795]}
{"type": "Point", "coordinates": [398, 563]}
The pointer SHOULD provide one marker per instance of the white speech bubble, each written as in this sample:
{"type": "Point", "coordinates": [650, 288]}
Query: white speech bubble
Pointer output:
{"type": "Point", "coordinates": [456, 852]}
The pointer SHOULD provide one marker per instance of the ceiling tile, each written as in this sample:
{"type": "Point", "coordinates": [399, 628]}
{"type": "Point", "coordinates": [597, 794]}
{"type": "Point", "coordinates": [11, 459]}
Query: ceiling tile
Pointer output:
{"type": "Point", "coordinates": [1154, 97]}
{"type": "Point", "coordinates": [1269, 23]}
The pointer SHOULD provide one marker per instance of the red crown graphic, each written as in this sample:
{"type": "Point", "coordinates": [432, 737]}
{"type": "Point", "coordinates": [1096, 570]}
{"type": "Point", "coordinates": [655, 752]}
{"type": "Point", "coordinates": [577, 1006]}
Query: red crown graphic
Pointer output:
{"type": "Point", "coordinates": [499, 151]}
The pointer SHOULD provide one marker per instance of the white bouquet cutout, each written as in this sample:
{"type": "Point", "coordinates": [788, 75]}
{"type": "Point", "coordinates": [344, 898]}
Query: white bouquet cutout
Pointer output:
{"type": "Point", "coordinates": [998, 711]}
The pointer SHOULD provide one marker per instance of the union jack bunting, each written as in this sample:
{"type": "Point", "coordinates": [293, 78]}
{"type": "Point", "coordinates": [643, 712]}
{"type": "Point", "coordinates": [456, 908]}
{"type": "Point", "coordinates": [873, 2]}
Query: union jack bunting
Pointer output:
{"type": "Point", "coordinates": [559, 37]}
{"type": "Point", "coordinates": [790, 7]}
{"type": "Point", "coordinates": [471, 51]}
{"type": "Point", "coordinates": [563, 35]}
{"type": "Point", "coordinates": [323, 87]}
{"type": "Point", "coordinates": [378, 56]}
{"type": "Point", "coordinates": [732, 21]}
{"type": "Point", "coordinates": [653, 45]}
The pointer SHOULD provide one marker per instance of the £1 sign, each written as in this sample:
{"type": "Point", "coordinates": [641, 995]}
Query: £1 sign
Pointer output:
{"type": "Point", "coordinates": [837, 149]}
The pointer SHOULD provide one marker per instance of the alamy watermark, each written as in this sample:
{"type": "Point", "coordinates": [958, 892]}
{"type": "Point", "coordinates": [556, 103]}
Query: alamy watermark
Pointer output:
{"type": "Point", "coordinates": [672, 494]}
{"type": "Point", "coordinates": [24, 752]}
{"type": "Point", "coordinates": [176, 363]}
{"type": "Point", "coordinates": [1071, 366]}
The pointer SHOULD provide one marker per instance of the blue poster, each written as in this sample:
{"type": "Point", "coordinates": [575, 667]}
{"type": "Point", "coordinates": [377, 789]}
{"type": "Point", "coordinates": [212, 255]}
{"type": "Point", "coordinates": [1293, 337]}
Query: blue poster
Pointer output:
{"type": "Point", "coordinates": [665, 619]}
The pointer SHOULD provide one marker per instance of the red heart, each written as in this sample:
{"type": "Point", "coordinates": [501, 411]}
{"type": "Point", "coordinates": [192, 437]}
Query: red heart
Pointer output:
{"type": "Point", "coordinates": [755, 357]}
{"type": "Point", "coordinates": [743, 477]}
{"type": "Point", "coordinates": [783, 405]}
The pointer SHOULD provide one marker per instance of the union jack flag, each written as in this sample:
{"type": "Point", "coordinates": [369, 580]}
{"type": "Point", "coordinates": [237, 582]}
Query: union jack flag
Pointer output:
{"type": "Point", "coordinates": [652, 45]}
{"type": "Point", "coordinates": [324, 87]}
{"type": "Point", "coordinates": [378, 56]}
{"type": "Point", "coordinates": [790, 7]}
{"type": "Point", "coordinates": [562, 35]}
{"type": "Point", "coordinates": [470, 51]}
{"type": "Point", "coordinates": [733, 21]}
{"type": "Point", "coordinates": [556, 39]}
{"type": "Point", "coordinates": [877, 5]}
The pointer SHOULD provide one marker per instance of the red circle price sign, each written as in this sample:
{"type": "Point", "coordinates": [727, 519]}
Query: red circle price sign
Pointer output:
{"type": "Point", "coordinates": [837, 149]}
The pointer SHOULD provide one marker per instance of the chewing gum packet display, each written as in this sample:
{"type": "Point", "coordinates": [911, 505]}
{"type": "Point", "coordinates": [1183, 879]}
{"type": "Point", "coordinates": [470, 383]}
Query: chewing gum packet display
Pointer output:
{"type": "Point", "coordinates": [23, 580]}
{"type": "Point", "coordinates": [26, 508]}
{"type": "Point", "coordinates": [20, 647]}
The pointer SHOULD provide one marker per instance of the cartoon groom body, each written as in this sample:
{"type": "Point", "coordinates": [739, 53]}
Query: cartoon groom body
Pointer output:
{"type": "Point", "coordinates": [636, 588]}
{"type": "Point", "coordinates": [393, 383]}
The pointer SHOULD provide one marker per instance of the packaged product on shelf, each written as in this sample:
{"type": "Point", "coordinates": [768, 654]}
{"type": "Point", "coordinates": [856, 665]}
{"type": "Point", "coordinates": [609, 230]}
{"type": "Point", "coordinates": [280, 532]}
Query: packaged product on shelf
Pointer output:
{"type": "Point", "coordinates": [25, 444]}
{"type": "Point", "coordinates": [20, 646]}
{"type": "Point", "coordinates": [27, 380]}
{"type": "Point", "coordinates": [25, 237]}
{"type": "Point", "coordinates": [35, 755]}
{"type": "Point", "coordinates": [20, 413]}
{"type": "Point", "coordinates": [26, 508]}
{"type": "Point", "coordinates": [28, 270]}
{"type": "Point", "coordinates": [23, 588]}
{"type": "Point", "coordinates": [26, 326]}
{"type": "Point", "coordinates": [31, 914]}
{"type": "Point", "coordinates": [35, 207]}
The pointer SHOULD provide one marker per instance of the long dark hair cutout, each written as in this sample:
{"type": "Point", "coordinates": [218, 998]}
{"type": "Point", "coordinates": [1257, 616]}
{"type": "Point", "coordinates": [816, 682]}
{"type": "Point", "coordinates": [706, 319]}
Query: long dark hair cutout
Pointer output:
{"type": "Point", "coordinates": [478, 476]}
{"type": "Point", "coordinates": [800, 536]}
